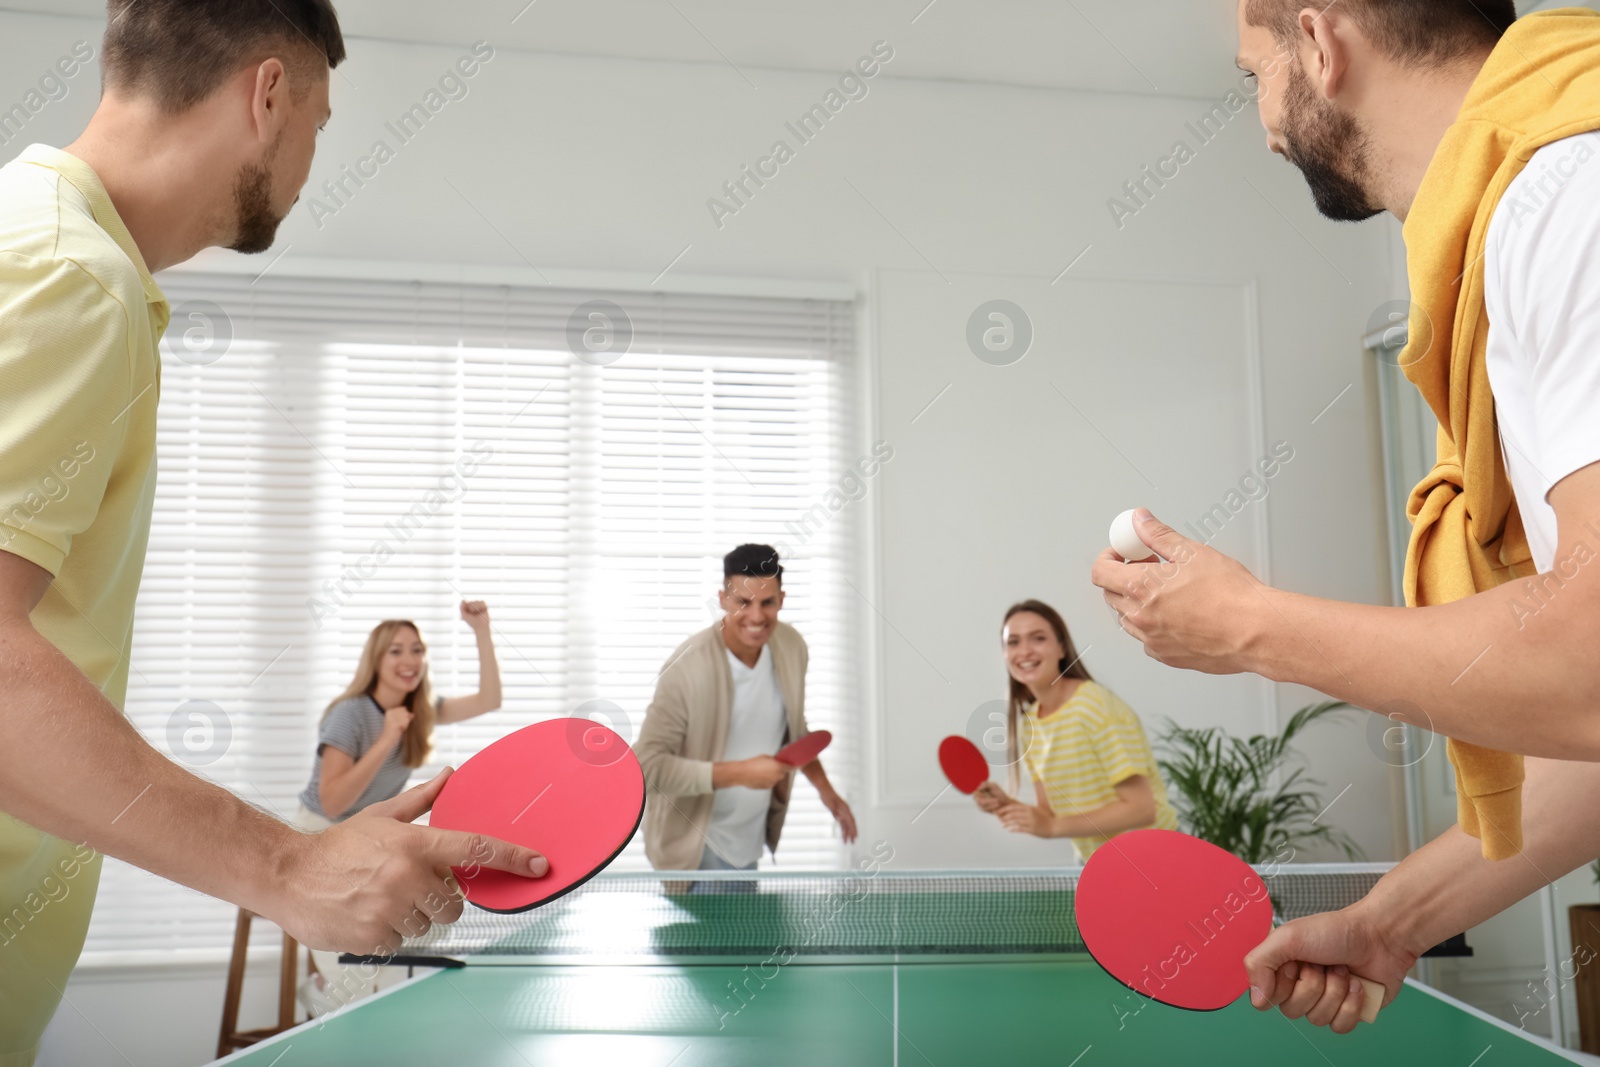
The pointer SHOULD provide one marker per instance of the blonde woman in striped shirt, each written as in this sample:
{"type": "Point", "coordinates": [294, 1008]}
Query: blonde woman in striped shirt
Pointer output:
{"type": "Point", "coordinates": [1093, 773]}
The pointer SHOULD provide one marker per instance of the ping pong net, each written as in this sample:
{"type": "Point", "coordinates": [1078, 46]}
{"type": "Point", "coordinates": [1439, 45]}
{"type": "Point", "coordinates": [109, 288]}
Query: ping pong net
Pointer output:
{"type": "Point", "coordinates": [648, 916]}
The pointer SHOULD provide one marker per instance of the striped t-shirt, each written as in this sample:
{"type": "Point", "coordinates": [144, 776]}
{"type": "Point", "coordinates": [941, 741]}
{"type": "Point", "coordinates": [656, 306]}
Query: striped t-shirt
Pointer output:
{"type": "Point", "coordinates": [1082, 750]}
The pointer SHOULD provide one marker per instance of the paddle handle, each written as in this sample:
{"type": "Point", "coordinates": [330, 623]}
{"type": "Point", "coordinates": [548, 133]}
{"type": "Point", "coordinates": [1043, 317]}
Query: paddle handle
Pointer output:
{"type": "Point", "coordinates": [1372, 994]}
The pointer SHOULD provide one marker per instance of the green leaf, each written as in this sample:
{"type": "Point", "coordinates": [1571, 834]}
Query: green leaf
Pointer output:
{"type": "Point", "coordinates": [1225, 796]}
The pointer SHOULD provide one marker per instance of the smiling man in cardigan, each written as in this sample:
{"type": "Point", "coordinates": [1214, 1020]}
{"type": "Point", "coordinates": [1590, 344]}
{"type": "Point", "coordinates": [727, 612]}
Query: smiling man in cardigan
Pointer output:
{"type": "Point", "coordinates": [728, 698]}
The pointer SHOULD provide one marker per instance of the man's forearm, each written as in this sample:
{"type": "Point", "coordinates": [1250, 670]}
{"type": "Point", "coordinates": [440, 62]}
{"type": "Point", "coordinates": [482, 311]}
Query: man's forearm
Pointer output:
{"type": "Point", "coordinates": [1482, 670]}
{"type": "Point", "coordinates": [818, 777]}
{"type": "Point", "coordinates": [726, 774]}
{"type": "Point", "coordinates": [674, 776]}
{"type": "Point", "coordinates": [73, 766]}
{"type": "Point", "coordinates": [1447, 886]}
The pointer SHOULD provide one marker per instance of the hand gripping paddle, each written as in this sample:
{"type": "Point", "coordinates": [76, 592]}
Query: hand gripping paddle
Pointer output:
{"type": "Point", "coordinates": [1173, 917]}
{"type": "Point", "coordinates": [963, 763]}
{"type": "Point", "coordinates": [803, 751]}
{"type": "Point", "coordinates": [570, 789]}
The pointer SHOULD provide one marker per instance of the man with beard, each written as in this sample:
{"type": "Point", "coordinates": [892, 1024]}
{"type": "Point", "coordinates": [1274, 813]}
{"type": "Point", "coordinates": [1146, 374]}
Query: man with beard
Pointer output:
{"type": "Point", "coordinates": [203, 136]}
{"type": "Point", "coordinates": [1479, 132]}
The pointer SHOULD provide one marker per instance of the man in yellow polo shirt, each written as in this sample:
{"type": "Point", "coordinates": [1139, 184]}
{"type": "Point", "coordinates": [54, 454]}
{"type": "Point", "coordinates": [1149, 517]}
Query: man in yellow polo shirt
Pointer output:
{"type": "Point", "coordinates": [204, 136]}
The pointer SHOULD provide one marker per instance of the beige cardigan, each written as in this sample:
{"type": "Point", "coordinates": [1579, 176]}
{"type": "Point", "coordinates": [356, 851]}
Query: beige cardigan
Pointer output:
{"type": "Point", "coordinates": [686, 729]}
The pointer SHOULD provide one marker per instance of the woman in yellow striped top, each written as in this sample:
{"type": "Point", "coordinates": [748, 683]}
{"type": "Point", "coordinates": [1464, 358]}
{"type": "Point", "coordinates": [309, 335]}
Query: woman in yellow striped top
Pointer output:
{"type": "Point", "coordinates": [1093, 773]}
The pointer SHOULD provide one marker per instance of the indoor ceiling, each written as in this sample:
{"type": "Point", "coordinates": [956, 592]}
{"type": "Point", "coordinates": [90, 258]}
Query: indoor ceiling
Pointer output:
{"type": "Point", "coordinates": [1178, 47]}
{"type": "Point", "coordinates": [1171, 47]}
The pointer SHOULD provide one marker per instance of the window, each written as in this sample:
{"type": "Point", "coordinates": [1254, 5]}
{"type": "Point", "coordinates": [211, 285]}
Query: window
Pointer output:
{"type": "Point", "coordinates": [335, 452]}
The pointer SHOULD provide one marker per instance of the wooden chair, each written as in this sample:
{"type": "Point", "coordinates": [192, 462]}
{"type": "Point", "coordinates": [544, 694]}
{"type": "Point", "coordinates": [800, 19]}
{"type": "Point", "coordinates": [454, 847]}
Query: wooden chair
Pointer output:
{"type": "Point", "coordinates": [231, 1037]}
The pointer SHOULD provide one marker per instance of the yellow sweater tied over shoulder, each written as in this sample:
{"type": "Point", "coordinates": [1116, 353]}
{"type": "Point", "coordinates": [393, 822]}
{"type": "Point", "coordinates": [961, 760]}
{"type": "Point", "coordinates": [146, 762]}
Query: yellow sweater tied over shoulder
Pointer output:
{"type": "Point", "coordinates": [1541, 84]}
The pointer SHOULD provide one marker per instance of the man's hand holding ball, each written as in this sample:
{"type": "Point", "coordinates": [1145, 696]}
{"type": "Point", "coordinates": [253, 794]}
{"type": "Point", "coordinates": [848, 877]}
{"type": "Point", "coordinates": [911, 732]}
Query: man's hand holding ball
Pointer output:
{"type": "Point", "coordinates": [1189, 605]}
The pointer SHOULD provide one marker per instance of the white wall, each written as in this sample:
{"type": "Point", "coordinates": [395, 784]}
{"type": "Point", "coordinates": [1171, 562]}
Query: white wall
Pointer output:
{"type": "Point", "coordinates": [608, 165]}
{"type": "Point", "coordinates": [563, 163]}
{"type": "Point", "coordinates": [1003, 490]}
{"type": "Point", "coordinates": [1225, 312]}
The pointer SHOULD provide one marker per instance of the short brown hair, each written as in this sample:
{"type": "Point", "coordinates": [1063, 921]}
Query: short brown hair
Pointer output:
{"type": "Point", "coordinates": [1415, 32]}
{"type": "Point", "coordinates": [179, 52]}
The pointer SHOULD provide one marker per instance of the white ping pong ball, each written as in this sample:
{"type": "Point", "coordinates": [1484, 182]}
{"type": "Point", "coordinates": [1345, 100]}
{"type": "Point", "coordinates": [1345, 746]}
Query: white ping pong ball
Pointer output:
{"type": "Point", "coordinates": [1125, 539]}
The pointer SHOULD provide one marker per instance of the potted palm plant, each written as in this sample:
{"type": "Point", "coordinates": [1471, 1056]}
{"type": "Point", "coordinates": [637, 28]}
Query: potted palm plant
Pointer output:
{"type": "Point", "coordinates": [1584, 920]}
{"type": "Point", "coordinates": [1227, 794]}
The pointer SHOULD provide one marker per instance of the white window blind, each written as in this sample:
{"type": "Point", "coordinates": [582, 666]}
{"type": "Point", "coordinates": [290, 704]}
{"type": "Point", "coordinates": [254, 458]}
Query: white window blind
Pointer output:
{"type": "Point", "coordinates": [336, 452]}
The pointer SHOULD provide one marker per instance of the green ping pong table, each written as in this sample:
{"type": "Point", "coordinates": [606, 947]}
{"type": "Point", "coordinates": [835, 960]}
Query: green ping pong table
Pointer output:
{"type": "Point", "coordinates": [941, 970]}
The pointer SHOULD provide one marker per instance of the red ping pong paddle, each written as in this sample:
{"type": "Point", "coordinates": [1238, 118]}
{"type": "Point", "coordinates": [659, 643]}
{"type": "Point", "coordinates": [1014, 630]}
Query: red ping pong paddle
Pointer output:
{"type": "Point", "coordinates": [571, 789]}
{"type": "Point", "coordinates": [1173, 917]}
{"type": "Point", "coordinates": [801, 752]}
{"type": "Point", "coordinates": [963, 763]}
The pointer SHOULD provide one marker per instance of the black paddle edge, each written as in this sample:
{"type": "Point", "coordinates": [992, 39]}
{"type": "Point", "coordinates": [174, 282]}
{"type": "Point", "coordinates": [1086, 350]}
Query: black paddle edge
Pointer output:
{"type": "Point", "coordinates": [584, 880]}
{"type": "Point", "coordinates": [446, 962]}
{"type": "Point", "coordinates": [1147, 996]}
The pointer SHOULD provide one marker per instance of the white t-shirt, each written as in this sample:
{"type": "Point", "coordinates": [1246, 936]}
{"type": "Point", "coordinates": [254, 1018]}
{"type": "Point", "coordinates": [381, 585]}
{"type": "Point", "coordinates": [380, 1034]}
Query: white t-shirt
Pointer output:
{"type": "Point", "coordinates": [1542, 293]}
{"type": "Point", "coordinates": [738, 827]}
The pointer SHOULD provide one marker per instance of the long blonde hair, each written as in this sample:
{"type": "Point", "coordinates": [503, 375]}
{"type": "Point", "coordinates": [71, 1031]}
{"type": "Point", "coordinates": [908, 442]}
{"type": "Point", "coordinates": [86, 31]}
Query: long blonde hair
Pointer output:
{"type": "Point", "coordinates": [1071, 666]}
{"type": "Point", "coordinates": [417, 741]}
